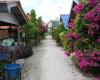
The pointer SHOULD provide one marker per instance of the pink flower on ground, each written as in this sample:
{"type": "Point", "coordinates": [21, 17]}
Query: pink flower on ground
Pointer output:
{"type": "Point", "coordinates": [67, 53]}
{"type": "Point", "coordinates": [78, 8]}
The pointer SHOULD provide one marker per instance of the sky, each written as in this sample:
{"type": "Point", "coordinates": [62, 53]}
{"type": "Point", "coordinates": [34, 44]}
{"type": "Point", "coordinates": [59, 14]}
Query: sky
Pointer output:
{"type": "Point", "coordinates": [48, 9]}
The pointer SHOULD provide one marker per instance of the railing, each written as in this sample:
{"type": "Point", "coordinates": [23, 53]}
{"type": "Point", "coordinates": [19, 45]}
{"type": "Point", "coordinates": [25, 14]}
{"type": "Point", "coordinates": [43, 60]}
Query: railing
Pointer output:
{"type": "Point", "coordinates": [5, 54]}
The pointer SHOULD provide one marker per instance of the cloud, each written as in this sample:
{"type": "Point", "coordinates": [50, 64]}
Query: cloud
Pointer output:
{"type": "Point", "coordinates": [48, 9]}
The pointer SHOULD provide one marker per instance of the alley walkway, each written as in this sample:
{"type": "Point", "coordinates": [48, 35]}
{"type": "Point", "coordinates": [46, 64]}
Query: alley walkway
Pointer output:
{"type": "Point", "coordinates": [49, 63]}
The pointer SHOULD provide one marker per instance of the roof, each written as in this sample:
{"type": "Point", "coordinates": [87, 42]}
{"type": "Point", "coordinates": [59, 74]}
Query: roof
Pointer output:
{"type": "Point", "coordinates": [15, 15]}
{"type": "Point", "coordinates": [65, 19]}
{"type": "Point", "coordinates": [8, 1]}
{"type": "Point", "coordinates": [8, 19]}
{"type": "Point", "coordinates": [72, 14]}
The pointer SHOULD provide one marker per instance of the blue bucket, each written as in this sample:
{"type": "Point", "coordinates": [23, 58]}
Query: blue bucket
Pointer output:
{"type": "Point", "coordinates": [12, 70]}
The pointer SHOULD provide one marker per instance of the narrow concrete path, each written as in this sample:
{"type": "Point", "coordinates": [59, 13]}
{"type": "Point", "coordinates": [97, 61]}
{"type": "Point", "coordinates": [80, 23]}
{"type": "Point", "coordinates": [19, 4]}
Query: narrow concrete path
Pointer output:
{"type": "Point", "coordinates": [49, 63]}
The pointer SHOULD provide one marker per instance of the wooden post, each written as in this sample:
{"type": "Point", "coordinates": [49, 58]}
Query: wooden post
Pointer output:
{"type": "Point", "coordinates": [18, 35]}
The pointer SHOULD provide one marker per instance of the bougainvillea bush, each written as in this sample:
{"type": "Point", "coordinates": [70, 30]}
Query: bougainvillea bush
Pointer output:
{"type": "Point", "coordinates": [84, 35]}
{"type": "Point", "coordinates": [63, 39]}
{"type": "Point", "coordinates": [56, 33]}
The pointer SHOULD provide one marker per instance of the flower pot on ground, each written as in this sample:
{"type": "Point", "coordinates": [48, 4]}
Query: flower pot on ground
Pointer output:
{"type": "Point", "coordinates": [23, 52]}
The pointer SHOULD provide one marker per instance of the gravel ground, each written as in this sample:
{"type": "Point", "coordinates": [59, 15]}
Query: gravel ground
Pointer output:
{"type": "Point", "coordinates": [50, 63]}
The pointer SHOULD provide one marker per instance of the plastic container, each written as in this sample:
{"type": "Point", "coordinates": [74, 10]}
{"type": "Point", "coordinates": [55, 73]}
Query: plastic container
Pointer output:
{"type": "Point", "coordinates": [12, 70]}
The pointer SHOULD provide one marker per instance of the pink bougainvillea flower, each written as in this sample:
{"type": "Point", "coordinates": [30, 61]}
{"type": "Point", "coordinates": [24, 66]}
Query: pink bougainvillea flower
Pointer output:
{"type": "Point", "coordinates": [98, 9]}
{"type": "Point", "coordinates": [98, 2]}
{"type": "Point", "coordinates": [94, 43]}
{"type": "Point", "coordinates": [98, 40]}
{"type": "Point", "coordinates": [89, 16]}
{"type": "Point", "coordinates": [88, 51]}
{"type": "Point", "coordinates": [92, 63]}
{"type": "Point", "coordinates": [71, 45]}
{"type": "Point", "coordinates": [76, 36]}
{"type": "Point", "coordinates": [78, 8]}
{"type": "Point", "coordinates": [90, 32]}
{"type": "Point", "coordinates": [98, 78]}
{"type": "Point", "coordinates": [92, 2]}
{"type": "Point", "coordinates": [78, 54]}
{"type": "Point", "coordinates": [95, 19]}
{"type": "Point", "coordinates": [79, 42]}
{"type": "Point", "coordinates": [92, 28]}
{"type": "Point", "coordinates": [83, 63]}
{"type": "Point", "coordinates": [67, 53]}
{"type": "Point", "coordinates": [97, 52]}
{"type": "Point", "coordinates": [71, 25]}
{"type": "Point", "coordinates": [95, 26]}
{"type": "Point", "coordinates": [69, 35]}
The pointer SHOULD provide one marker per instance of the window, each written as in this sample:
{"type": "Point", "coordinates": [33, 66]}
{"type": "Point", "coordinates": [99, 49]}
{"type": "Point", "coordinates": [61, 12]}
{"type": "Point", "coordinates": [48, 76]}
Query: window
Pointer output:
{"type": "Point", "coordinates": [3, 7]}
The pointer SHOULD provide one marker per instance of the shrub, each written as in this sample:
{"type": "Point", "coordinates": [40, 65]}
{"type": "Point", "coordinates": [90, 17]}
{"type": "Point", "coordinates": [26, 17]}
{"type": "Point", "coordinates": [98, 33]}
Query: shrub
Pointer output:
{"type": "Point", "coordinates": [84, 36]}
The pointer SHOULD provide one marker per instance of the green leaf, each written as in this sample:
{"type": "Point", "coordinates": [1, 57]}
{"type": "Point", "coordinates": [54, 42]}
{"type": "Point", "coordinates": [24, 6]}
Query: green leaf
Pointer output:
{"type": "Point", "coordinates": [90, 47]}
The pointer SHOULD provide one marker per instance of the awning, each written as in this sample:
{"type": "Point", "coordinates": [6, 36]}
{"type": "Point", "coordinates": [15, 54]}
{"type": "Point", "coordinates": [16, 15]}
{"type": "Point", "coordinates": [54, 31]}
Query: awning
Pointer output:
{"type": "Point", "coordinates": [7, 19]}
{"type": "Point", "coordinates": [7, 27]}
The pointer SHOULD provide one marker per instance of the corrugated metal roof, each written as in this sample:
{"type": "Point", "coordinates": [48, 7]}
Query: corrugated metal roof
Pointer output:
{"type": "Point", "coordinates": [8, 1]}
{"type": "Point", "coordinates": [8, 18]}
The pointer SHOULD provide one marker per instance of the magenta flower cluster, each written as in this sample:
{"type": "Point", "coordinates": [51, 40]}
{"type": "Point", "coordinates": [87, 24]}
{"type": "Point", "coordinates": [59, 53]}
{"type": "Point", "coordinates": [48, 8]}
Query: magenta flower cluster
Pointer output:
{"type": "Point", "coordinates": [92, 28]}
{"type": "Point", "coordinates": [71, 35]}
{"type": "Point", "coordinates": [87, 51]}
{"type": "Point", "coordinates": [44, 28]}
{"type": "Point", "coordinates": [98, 40]}
{"type": "Point", "coordinates": [89, 16]}
{"type": "Point", "coordinates": [92, 2]}
{"type": "Point", "coordinates": [71, 25]}
{"type": "Point", "coordinates": [86, 60]}
{"type": "Point", "coordinates": [78, 8]}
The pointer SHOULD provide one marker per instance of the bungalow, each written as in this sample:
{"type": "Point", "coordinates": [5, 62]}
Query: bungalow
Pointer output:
{"type": "Point", "coordinates": [12, 19]}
